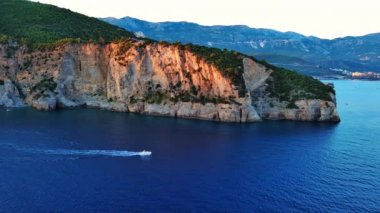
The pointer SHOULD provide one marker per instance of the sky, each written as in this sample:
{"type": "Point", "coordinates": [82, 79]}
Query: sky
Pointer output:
{"type": "Point", "coordinates": [322, 18]}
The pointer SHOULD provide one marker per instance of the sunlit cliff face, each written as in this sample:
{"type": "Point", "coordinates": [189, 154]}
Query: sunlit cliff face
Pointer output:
{"type": "Point", "coordinates": [166, 67]}
{"type": "Point", "coordinates": [117, 73]}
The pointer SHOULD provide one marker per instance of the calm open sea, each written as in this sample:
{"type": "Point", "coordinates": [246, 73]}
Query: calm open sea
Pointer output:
{"type": "Point", "coordinates": [90, 160]}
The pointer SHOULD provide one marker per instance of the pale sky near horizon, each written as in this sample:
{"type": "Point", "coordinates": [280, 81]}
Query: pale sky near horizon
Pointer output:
{"type": "Point", "coordinates": [322, 18]}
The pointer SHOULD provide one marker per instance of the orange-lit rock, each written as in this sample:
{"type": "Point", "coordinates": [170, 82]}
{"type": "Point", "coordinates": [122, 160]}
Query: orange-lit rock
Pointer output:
{"type": "Point", "coordinates": [150, 79]}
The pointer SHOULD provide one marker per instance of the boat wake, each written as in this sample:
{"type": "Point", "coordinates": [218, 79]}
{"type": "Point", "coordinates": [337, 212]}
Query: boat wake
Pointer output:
{"type": "Point", "coordinates": [77, 152]}
{"type": "Point", "coordinates": [110, 153]}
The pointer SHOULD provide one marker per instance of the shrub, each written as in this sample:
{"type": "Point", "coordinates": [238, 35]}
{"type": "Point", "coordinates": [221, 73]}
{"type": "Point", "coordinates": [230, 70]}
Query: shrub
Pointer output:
{"type": "Point", "coordinates": [124, 46]}
{"type": "Point", "coordinates": [133, 100]}
{"type": "Point", "coordinates": [3, 39]}
{"type": "Point", "coordinates": [156, 97]}
{"type": "Point", "coordinates": [47, 84]}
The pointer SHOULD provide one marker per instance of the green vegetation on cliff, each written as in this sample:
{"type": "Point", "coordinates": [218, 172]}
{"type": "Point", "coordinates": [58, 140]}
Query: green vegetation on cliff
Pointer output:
{"type": "Point", "coordinates": [45, 85]}
{"type": "Point", "coordinates": [290, 86]}
{"type": "Point", "coordinates": [38, 24]}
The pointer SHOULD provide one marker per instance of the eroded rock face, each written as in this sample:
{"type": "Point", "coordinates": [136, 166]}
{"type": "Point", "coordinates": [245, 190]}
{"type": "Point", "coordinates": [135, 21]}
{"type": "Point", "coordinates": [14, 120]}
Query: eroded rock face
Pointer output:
{"type": "Point", "coordinates": [272, 109]}
{"type": "Point", "coordinates": [307, 110]}
{"type": "Point", "coordinates": [150, 79]}
{"type": "Point", "coordinates": [9, 95]}
{"type": "Point", "coordinates": [208, 111]}
{"type": "Point", "coordinates": [47, 101]}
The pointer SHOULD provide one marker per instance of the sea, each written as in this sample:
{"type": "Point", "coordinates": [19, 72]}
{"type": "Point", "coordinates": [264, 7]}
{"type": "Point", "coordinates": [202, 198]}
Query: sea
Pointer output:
{"type": "Point", "coordinates": [88, 160]}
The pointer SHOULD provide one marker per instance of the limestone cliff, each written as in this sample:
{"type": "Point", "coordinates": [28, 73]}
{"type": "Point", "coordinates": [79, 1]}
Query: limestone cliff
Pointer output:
{"type": "Point", "coordinates": [148, 78]}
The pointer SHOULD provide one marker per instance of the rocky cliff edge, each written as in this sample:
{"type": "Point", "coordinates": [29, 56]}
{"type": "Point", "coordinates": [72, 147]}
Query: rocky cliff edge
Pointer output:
{"type": "Point", "coordinates": [150, 78]}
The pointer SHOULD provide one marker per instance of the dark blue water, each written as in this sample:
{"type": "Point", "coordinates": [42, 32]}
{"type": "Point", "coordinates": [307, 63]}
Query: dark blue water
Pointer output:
{"type": "Point", "coordinates": [48, 162]}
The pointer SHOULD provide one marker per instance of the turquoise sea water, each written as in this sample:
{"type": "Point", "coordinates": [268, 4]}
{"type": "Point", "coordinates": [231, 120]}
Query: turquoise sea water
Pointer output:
{"type": "Point", "coordinates": [91, 160]}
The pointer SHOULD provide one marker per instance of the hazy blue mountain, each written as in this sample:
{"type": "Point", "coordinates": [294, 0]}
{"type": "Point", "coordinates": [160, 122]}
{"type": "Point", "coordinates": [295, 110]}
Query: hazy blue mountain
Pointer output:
{"type": "Point", "coordinates": [310, 55]}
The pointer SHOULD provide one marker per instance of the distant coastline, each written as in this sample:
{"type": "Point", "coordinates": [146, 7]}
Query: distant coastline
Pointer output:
{"type": "Point", "coordinates": [366, 76]}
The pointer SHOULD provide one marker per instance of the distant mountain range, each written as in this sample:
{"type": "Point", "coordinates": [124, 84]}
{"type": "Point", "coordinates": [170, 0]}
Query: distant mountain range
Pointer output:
{"type": "Point", "coordinates": [308, 55]}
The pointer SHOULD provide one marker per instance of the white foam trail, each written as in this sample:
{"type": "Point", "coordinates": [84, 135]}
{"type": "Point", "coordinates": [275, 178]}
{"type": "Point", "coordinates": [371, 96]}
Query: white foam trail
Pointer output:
{"type": "Point", "coordinates": [112, 153]}
{"type": "Point", "coordinates": [79, 152]}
